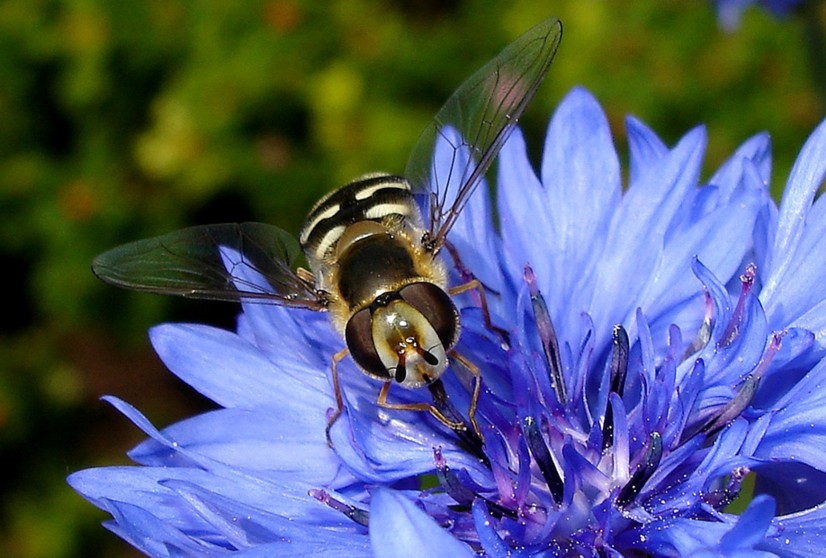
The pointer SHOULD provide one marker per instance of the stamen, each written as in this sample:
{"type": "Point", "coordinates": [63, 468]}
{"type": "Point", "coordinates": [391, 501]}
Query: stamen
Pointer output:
{"type": "Point", "coordinates": [733, 408]}
{"type": "Point", "coordinates": [619, 359]}
{"type": "Point", "coordinates": [471, 440]}
{"type": "Point", "coordinates": [733, 327]}
{"type": "Point", "coordinates": [704, 333]}
{"type": "Point", "coordinates": [775, 341]}
{"type": "Point", "coordinates": [542, 455]}
{"type": "Point", "coordinates": [646, 468]}
{"type": "Point", "coordinates": [362, 517]}
{"type": "Point", "coordinates": [722, 498]}
{"type": "Point", "coordinates": [447, 478]}
{"type": "Point", "coordinates": [619, 371]}
{"type": "Point", "coordinates": [608, 427]}
{"type": "Point", "coordinates": [459, 491]}
{"type": "Point", "coordinates": [742, 399]}
{"type": "Point", "coordinates": [547, 336]}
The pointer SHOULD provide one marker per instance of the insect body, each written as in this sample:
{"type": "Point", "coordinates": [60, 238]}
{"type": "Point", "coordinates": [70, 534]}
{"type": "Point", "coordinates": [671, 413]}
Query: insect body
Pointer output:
{"type": "Point", "coordinates": [387, 292]}
{"type": "Point", "coordinates": [373, 257]}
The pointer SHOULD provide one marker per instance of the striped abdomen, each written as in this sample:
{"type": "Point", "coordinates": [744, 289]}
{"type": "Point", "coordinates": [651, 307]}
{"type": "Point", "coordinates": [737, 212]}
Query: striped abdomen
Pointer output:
{"type": "Point", "coordinates": [364, 240]}
{"type": "Point", "coordinates": [379, 198]}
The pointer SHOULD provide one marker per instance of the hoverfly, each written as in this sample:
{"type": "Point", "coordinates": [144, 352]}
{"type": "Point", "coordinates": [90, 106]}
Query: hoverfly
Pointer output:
{"type": "Point", "coordinates": [374, 260]}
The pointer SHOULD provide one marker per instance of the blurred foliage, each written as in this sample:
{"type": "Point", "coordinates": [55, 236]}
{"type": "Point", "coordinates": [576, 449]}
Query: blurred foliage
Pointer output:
{"type": "Point", "coordinates": [121, 120]}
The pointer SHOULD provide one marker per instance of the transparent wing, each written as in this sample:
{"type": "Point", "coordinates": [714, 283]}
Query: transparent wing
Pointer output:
{"type": "Point", "coordinates": [474, 123]}
{"type": "Point", "coordinates": [249, 262]}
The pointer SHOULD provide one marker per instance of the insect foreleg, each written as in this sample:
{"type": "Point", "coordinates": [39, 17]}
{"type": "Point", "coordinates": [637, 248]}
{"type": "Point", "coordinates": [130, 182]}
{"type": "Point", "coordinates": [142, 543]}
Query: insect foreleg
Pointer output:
{"type": "Point", "coordinates": [477, 388]}
{"type": "Point", "coordinates": [338, 357]}
{"type": "Point", "coordinates": [382, 402]}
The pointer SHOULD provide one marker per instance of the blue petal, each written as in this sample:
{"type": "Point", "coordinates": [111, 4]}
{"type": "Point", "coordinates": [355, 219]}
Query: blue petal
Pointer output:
{"type": "Point", "coordinates": [245, 526]}
{"type": "Point", "coordinates": [757, 152]}
{"type": "Point", "coordinates": [645, 149]}
{"type": "Point", "coordinates": [171, 513]}
{"type": "Point", "coordinates": [234, 373]}
{"type": "Point", "coordinates": [729, 360]}
{"type": "Point", "coordinates": [492, 543]}
{"type": "Point", "coordinates": [799, 294]}
{"type": "Point", "coordinates": [180, 462]}
{"type": "Point", "coordinates": [388, 446]}
{"type": "Point", "coordinates": [581, 176]}
{"type": "Point", "coordinates": [399, 529]}
{"type": "Point", "coordinates": [794, 486]}
{"type": "Point", "coordinates": [750, 529]}
{"type": "Point", "coordinates": [799, 535]}
{"type": "Point", "coordinates": [477, 247]}
{"type": "Point", "coordinates": [519, 192]}
{"type": "Point", "coordinates": [185, 458]}
{"type": "Point", "coordinates": [720, 239]}
{"type": "Point", "coordinates": [274, 440]}
{"type": "Point", "coordinates": [152, 535]}
{"type": "Point", "coordinates": [724, 456]}
{"type": "Point", "coordinates": [573, 208]}
{"type": "Point", "coordinates": [638, 234]}
{"type": "Point", "coordinates": [792, 227]}
{"type": "Point", "coordinates": [308, 545]}
{"type": "Point", "coordinates": [470, 233]}
{"type": "Point", "coordinates": [147, 487]}
{"type": "Point", "coordinates": [689, 538]}
{"type": "Point", "coordinates": [797, 431]}
{"type": "Point", "coordinates": [290, 335]}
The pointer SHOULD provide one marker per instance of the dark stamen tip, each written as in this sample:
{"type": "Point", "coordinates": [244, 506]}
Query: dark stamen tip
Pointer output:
{"type": "Point", "coordinates": [547, 336]}
{"type": "Point", "coordinates": [454, 486]}
{"type": "Point", "coordinates": [619, 359]}
{"type": "Point", "coordinates": [646, 468]}
{"type": "Point", "coordinates": [544, 459]}
{"type": "Point", "coordinates": [619, 372]}
{"type": "Point", "coordinates": [608, 427]}
{"type": "Point", "coordinates": [733, 408]}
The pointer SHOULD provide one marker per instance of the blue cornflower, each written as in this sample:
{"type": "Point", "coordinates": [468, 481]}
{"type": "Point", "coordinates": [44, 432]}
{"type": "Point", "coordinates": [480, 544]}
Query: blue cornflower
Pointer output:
{"type": "Point", "coordinates": [665, 342]}
{"type": "Point", "coordinates": [729, 12]}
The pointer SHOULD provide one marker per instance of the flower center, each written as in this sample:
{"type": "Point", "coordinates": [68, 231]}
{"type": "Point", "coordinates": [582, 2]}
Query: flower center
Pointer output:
{"type": "Point", "coordinates": [590, 449]}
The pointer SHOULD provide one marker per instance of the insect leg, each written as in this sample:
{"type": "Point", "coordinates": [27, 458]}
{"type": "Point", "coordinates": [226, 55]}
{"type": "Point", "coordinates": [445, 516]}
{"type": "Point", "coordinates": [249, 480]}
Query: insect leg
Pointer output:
{"type": "Point", "coordinates": [483, 302]}
{"type": "Point", "coordinates": [382, 402]}
{"type": "Point", "coordinates": [338, 357]}
{"type": "Point", "coordinates": [470, 283]}
{"type": "Point", "coordinates": [464, 272]}
{"type": "Point", "coordinates": [305, 275]}
{"type": "Point", "coordinates": [477, 388]}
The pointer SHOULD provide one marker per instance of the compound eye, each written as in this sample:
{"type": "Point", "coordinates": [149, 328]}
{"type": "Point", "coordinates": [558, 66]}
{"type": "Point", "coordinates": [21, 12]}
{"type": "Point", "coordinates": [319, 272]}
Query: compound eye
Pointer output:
{"type": "Point", "coordinates": [437, 307]}
{"type": "Point", "coordinates": [359, 337]}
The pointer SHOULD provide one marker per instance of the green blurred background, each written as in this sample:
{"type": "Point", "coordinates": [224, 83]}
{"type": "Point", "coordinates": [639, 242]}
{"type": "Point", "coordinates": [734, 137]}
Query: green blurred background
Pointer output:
{"type": "Point", "coordinates": [121, 120]}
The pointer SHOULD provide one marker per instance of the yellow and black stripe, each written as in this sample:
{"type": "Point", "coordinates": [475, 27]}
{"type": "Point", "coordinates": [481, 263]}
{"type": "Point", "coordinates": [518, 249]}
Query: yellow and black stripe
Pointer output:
{"type": "Point", "coordinates": [373, 197]}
